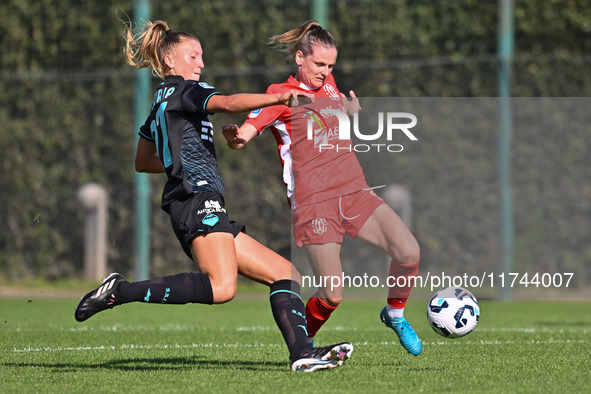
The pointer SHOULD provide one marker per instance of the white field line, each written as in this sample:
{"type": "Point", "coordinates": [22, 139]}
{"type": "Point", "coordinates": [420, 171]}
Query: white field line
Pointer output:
{"type": "Point", "coordinates": [180, 327]}
{"type": "Point", "coordinates": [529, 330]}
{"type": "Point", "coordinates": [461, 342]}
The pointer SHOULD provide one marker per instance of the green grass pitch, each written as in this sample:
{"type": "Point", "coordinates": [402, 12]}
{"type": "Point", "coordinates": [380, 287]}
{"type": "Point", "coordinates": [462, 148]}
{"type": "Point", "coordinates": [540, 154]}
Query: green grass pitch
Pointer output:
{"type": "Point", "coordinates": [236, 347]}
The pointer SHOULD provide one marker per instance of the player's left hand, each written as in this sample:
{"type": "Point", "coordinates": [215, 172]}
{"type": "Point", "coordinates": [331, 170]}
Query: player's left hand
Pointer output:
{"type": "Point", "coordinates": [230, 132]}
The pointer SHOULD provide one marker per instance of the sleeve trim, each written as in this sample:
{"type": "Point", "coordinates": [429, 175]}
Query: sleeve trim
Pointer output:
{"type": "Point", "coordinates": [206, 101]}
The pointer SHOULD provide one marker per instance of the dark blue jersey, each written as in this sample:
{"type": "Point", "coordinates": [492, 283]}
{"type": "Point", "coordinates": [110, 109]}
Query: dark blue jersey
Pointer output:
{"type": "Point", "coordinates": [179, 126]}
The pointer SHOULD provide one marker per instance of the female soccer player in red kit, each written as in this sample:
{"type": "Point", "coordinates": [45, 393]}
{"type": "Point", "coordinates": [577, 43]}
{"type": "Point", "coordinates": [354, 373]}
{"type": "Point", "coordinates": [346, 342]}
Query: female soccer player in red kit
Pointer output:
{"type": "Point", "coordinates": [326, 188]}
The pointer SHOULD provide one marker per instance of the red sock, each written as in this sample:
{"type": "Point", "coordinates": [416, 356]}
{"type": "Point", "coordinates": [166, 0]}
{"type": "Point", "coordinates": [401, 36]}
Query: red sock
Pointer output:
{"type": "Point", "coordinates": [397, 303]}
{"type": "Point", "coordinates": [405, 276]}
{"type": "Point", "coordinates": [317, 313]}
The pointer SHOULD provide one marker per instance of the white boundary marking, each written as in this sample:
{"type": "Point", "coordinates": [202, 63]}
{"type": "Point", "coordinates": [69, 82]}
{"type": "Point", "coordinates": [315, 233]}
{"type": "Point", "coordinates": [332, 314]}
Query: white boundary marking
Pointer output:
{"type": "Point", "coordinates": [259, 328]}
{"type": "Point", "coordinates": [181, 327]}
{"type": "Point", "coordinates": [447, 342]}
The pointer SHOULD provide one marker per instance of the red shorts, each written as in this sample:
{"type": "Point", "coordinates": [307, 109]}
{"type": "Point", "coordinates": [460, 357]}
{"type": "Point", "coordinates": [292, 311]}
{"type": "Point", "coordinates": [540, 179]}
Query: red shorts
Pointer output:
{"type": "Point", "coordinates": [328, 221]}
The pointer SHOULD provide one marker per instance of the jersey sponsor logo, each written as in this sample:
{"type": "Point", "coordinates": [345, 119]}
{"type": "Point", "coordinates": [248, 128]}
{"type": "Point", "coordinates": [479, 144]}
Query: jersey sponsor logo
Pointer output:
{"type": "Point", "coordinates": [205, 85]}
{"type": "Point", "coordinates": [210, 219]}
{"type": "Point", "coordinates": [319, 226]}
{"type": "Point", "coordinates": [211, 206]}
{"type": "Point", "coordinates": [255, 113]}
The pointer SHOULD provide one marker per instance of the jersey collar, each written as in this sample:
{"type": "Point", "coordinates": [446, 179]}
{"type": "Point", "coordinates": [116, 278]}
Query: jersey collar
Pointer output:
{"type": "Point", "coordinates": [174, 77]}
{"type": "Point", "coordinates": [301, 85]}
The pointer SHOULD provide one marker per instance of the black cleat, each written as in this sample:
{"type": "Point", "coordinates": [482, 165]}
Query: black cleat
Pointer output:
{"type": "Point", "coordinates": [99, 299]}
{"type": "Point", "coordinates": [326, 357]}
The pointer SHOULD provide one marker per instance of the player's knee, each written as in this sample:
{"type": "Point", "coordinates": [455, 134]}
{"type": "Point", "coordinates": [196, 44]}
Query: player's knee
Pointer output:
{"type": "Point", "coordinates": [332, 301]}
{"type": "Point", "coordinates": [409, 265]}
{"type": "Point", "coordinates": [331, 295]}
{"type": "Point", "coordinates": [223, 296]}
{"type": "Point", "coordinates": [410, 259]}
{"type": "Point", "coordinates": [408, 256]}
{"type": "Point", "coordinates": [295, 275]}
{"type": "Point", "coordinates": [223, 291]}
{"type": "Point", "coordinates": [285, 273]}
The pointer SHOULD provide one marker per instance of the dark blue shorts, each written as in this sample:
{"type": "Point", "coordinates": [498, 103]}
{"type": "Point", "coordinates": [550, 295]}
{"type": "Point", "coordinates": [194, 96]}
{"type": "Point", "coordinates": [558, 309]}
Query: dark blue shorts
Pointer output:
{"type": "Point", "coordinates": [200, 214]}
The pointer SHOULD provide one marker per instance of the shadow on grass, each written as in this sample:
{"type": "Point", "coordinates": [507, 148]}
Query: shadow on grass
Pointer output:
{"type": "Point", "coordinates": [159, 364]}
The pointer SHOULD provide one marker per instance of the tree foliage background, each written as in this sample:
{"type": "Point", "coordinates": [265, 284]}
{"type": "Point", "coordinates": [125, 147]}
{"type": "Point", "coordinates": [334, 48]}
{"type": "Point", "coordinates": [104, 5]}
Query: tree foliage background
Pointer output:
{"type": "Point", "coordinates": [66, 118]}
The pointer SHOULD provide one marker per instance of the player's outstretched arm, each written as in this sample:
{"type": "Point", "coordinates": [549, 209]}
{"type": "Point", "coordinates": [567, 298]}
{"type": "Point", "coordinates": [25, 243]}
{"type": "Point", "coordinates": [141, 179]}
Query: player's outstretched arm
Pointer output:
{"type": "Point", "coordinates": [246, 102]}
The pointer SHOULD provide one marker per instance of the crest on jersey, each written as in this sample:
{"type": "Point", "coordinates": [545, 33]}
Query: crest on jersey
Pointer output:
{"type": "Point", "coordinates": [332, 92]}
{"type": "Point", "coordinates": [205, 85]}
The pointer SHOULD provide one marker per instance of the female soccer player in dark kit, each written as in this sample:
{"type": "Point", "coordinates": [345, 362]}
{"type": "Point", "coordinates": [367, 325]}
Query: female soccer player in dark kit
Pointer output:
{"type": "Point", "coordinates": [177, 139]}
{"type": "Point", "coordinates": [326, 187]}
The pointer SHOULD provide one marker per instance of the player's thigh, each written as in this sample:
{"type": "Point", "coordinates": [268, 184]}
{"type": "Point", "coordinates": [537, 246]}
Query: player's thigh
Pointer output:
{"type": "Point", "coordinates": [325, 262]}
{"type": "Point", "coordinates": [261, 264]}
{"type": "Point", "coordinates": [215, 255]}
{"type": "Point", "coordinates": [386, 230]}
{"type": "Point", "coordinates": [324, 258]}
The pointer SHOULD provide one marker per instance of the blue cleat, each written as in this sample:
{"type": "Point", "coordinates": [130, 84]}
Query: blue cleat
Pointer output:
{"type": "Point", "coordinates": [408, 337]}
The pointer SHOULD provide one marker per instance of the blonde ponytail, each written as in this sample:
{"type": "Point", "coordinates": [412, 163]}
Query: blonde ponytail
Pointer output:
{"type": "Point", "coordinates": [148, 47]}
{"type": "Point", "coordinates": [302, 38]}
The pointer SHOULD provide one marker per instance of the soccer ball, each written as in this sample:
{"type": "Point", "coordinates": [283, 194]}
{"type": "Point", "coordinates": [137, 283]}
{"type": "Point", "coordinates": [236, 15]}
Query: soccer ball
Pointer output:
{"type": "Point", "coordinates": [453, 312]}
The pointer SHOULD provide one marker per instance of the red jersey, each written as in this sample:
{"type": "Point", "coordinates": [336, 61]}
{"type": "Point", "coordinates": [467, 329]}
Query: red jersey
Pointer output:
{"type": "Point", "coordinates": [315, 168]}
